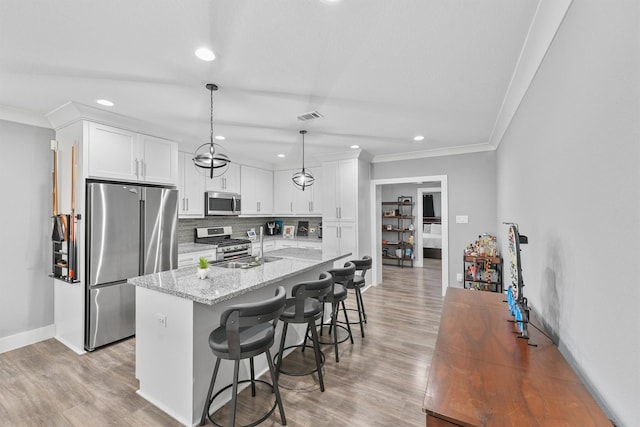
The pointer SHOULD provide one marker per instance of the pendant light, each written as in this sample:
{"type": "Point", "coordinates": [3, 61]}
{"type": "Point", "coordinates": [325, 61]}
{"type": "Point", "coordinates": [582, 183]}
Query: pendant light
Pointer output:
{"type": "Point", "coordinates": [208, 156]}
{"type": "Point", "coordinates": [303, 178]}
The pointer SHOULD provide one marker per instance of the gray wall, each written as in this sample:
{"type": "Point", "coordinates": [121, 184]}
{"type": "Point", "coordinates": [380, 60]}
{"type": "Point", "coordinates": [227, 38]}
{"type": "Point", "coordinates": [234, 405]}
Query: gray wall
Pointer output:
{"type": "Point", "coordinates": [471, 180]}
{"type": "Point", "coordinates": [25, 174]}
{"type": "Point", "coordinates": [569, 174]}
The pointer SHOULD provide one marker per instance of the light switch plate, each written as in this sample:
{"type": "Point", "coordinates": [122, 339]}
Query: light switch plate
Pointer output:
{"type": "Point", "coordinates": [462, 219]}
{"type": "Point", "coordinates": [459, 277]}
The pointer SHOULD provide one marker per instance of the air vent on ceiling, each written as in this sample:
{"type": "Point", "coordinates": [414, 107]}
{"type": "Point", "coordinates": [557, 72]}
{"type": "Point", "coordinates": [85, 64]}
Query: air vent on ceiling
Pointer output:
{"type": "Point", "coordinates": [310, 116]}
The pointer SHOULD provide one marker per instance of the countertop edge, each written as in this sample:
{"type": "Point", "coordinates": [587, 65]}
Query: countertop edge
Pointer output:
{"type": "Point", "coordinates": [150, 281]}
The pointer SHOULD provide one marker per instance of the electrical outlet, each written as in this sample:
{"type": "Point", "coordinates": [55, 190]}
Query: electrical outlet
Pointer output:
{"type": "Point", "coordinates": [162, 320]}
{"type": "Point", "coordinates": [459, 277]}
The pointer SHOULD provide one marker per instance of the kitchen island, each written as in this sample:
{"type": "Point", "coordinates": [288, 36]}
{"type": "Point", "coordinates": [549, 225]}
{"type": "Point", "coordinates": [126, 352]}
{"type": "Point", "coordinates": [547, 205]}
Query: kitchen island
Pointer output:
{"type": "Point", "coordinates": [175, 312]}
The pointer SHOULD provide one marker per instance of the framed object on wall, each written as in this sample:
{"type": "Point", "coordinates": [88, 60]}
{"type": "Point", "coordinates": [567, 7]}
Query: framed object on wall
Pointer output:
{"type": "Point", "coordinates": [289, 231]}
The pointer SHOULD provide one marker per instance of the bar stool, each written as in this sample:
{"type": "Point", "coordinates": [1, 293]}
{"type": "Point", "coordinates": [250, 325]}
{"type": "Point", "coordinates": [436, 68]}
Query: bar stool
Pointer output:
{"type": "Point", "coordinates": [305, 307]}
{"type": "Point", "coordinates": [362, 266]}
{"type": "Point", "coordinates": [245, 331]}
{"type": "Point", "coordinates": [341, 277]}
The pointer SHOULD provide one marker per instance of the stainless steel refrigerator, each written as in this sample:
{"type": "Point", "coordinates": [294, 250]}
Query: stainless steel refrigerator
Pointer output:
{"type": "Point", "coordinates": [131, 231]}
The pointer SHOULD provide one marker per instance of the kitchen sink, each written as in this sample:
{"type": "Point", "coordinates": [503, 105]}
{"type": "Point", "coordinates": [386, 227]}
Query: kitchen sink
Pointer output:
{"type": "Point", "coordinates": [246, 262]}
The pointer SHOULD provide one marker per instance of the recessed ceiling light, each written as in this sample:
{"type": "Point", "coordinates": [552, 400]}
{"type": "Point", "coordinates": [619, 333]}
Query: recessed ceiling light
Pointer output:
{"type": "Point", "coordinates": [220, 137]}
{"type": "Point", "coordinates": [105, 102]}
{"type": "Point", "coordinates": [355, 147]}
{"type": "Point", "coordinates": [205, 54]}
{"type": "Point", "coordinates": [281, 155]}
{"type": "Point", "coordinates": [330, 1]}
{"type": "Point", "coordinates": [418, 138]}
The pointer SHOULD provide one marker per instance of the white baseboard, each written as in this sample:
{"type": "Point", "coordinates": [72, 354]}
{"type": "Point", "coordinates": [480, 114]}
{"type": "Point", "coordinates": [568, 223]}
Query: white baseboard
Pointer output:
{"type": "Point", "coordinates": [70, 345]}
{"type": "Point", "coordinates": [22, 339]}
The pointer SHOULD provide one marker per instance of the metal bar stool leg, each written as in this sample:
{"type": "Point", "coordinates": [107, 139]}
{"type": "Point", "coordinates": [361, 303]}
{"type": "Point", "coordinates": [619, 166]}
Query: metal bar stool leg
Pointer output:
{"type": "Point", "coordinates": [253, 378]}
{"type": "Point", "coordinates": [306, 336]}
{"type": "Point", "coordinates": [276, 387]}
{"type": "Point", "coordinates": [207, 403]}
{"type": "Point", "coordinates": [334, 315]}
{"type": "Point", "coordinates": [359, 294]}
{"type": "Point", "coordinates": [316, 349]}
{"type": "Point", "coordinates": [234, 396]}
{"type": "Point", "coordinates": [282, 338]}
{"type": "Point", "coordinates": [346, 318]}
{"type": "Point", "coordinates": [360, 317]}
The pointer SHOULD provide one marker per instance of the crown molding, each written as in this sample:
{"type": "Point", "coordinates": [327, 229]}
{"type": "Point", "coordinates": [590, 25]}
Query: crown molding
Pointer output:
{"type": "Point", "coordinates": [436, 152]}
{"type": "Point", "coordinates": [72, 112]}
{"type": "Point", "coordinates": [544, 27]}
{"type": "Point", "coordinates": [26, 117]}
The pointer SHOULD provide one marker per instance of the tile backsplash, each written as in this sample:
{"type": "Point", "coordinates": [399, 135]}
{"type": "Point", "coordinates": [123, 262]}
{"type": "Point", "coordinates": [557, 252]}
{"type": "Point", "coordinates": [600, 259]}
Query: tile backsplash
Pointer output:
{"type": "Point", "coordinates": [187, 226]}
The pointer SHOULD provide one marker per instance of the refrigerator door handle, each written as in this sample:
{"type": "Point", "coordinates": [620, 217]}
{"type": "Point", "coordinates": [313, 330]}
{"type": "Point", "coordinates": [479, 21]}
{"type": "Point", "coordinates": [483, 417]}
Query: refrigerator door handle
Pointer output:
{"type": "Point", "coordinates": [142, 238]}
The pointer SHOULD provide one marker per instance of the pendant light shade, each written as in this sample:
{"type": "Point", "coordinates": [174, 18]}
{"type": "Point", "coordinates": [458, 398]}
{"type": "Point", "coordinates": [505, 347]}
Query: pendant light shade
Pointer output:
{"type": "Point", "coordinates": [303, 178]}
{"type": "Point", "coordinates": [208, 156]}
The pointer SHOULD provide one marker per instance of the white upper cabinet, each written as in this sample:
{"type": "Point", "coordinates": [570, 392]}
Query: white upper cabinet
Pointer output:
{"type": "Point", "coordinates": [340, 189]}
{"type": "Point", "coordinates": [289, 200]}
{"type": "Point", "coordinates": [129, 156]}
{"type": "Point", "coordinates": [309, 201]}
{"type": "Point", "coordinates": [256, 188]}
{"type": "Point", "coordinates": [283, 189]}
{"type": "Point", "coordinates": [190, 188]}
{"type": "Point", "coordinates": [159, 160]}
{"type": "Point", "coordinates": [228, 183]}
{"type": "Point", "coordinates": [112, 153]}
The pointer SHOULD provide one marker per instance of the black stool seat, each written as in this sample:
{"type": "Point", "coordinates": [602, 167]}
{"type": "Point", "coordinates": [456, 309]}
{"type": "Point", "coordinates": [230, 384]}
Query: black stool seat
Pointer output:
{"type": "Point", "coordinates": [311, 308]}
{"type": "Point", "coordinates": [304, 307]}
{"type": "Point", "coordinates": [245, 331]}
{"type": "Point", "coordinates": [339, 292]}
{"type": "Point", "coordinates": [251, 339]}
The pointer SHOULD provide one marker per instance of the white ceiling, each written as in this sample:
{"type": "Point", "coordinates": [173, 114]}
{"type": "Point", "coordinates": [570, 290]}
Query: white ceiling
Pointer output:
{"type": "Point", "coordinates": [380, 71]}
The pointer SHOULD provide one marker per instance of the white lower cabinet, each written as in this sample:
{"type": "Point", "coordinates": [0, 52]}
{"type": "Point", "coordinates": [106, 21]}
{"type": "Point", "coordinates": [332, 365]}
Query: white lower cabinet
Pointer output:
{"type": "Point", "coordinates": [269, 245]}
{"type": "Point", "coordinates": [339, 238]}
{"type": "Point", "coordinates": [282, 244]}
{"type": "Point", "coordinates": [308, 244]}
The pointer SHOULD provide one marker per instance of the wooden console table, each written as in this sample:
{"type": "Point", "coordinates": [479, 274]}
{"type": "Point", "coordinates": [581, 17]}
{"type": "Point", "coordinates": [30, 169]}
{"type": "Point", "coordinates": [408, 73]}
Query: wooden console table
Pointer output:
{"type": "Point", "coordinates": [481, 374]}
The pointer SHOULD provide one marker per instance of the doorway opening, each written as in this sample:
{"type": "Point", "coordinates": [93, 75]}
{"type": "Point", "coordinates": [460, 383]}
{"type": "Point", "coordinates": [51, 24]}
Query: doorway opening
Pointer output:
{"type": "Point", "coordinates": [418, 186]}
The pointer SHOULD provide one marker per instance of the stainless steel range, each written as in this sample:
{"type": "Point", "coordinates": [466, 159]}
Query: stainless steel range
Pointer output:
{"type": "Point", "coordinates": [220, 238]}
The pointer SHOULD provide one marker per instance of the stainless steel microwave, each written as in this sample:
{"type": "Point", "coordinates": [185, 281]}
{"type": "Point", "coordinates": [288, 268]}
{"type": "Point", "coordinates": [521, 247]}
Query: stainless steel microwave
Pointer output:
{"type": "Point", "coordinates": [218, 203]}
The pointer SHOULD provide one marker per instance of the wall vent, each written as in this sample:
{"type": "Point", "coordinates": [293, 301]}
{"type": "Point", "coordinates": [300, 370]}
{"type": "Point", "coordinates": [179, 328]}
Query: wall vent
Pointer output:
{"type": "Point", "coordinates": [310, 116]}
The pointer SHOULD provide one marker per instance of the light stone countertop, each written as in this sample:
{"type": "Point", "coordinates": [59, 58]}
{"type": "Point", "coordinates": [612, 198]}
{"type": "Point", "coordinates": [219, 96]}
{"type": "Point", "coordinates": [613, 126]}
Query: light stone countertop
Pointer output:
{"type": "Point", "coordinates": [185, 248]}
{"type": "Point", "coordinates": [226, 283]}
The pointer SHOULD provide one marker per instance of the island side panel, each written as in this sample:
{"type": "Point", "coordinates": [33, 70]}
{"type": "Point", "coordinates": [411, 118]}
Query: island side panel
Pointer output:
{"type": "Point", "coordinates": [164, 352]}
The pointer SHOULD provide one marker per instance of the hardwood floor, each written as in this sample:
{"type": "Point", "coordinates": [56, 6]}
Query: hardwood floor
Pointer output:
{"type": "Point", "coordinates": [379, 381]}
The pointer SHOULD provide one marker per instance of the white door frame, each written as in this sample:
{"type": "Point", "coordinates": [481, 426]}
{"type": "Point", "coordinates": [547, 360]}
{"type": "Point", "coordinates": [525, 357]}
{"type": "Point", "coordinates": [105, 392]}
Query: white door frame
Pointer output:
{"type": "Point", "coordinates": [376, 222]}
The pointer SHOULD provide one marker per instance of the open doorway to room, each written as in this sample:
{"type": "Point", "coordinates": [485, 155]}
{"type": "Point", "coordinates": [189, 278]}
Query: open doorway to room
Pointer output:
{"type": "Point", "coordinates": [385, 190]}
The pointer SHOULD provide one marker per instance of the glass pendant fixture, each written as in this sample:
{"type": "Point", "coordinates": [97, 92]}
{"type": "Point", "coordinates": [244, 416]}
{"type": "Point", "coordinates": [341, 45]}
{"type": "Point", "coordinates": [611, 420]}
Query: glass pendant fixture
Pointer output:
{"type": "Point", "coordinates": [208, 156]}
{"type": "Point", "coordinates": [303, 178]}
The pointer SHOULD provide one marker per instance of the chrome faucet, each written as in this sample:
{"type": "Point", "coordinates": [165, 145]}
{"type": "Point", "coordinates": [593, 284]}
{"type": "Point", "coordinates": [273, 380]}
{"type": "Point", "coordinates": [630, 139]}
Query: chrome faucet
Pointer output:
{"type": "Point", "coordinates": [260, 258]}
